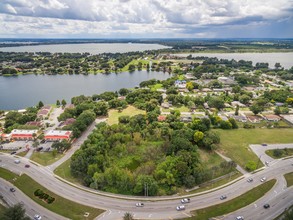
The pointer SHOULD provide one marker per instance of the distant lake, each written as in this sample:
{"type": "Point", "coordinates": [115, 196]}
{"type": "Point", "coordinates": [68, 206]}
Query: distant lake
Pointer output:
{"type": "Point", "coordinates": [23, 91]}
{"type": "Point", "coordinates": [285, 59]}
{"type": "Point", "coordinates": [92, 48]}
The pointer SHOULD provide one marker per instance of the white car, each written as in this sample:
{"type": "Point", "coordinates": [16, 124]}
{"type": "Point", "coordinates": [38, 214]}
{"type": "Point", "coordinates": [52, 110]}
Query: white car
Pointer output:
{"type": "Point", "coordinates": [263, 179]}
{"type": "Point", "coordinates": [37, 217]}
{"type": "Point", "coordinates": [239, 218]}
{"type": "Point", "coordinates": [180, 207]}
{"type": "Point", "coordinates": [185, 200]}
{"type": "Point", "coordinates": [139, 204]}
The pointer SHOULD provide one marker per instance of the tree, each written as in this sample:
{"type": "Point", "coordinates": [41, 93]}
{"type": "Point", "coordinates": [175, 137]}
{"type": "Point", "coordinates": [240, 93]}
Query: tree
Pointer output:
{"type": "Point", "coordinates": [198, 136]}
{"type": "Point", "coordinates": [123, 91]}
{"type": "Point", "coordinates": [128, 216]}
{"type": "Point", "coordinates": [189, 86]}
{"type": "Point", "coordinates": [58, 103]}
{"type": "Point", "coordinates": [63, 102]}
{"type": "Point", "coordinates": [216, 102]}
{"type": "Point", "coordinates": [255, 108]}
{"type": "Point", "coordinates": [40, 104]}
{"type": "Point", "coordinates": [237, 110]}
{"type": "Point", "coordinates": [277, 110]}
{"type": "Point", "coordinates": [16, 212]}
{"type": "Point", "coordinates": [250, 165]}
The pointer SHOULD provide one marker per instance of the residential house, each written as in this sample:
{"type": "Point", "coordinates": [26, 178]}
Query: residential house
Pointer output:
{"type": "Point", "coordinates": [273, 118]}
{"type": "Point", "coordinates": [35, 123]}
{"type": "Point", "coordinates": [187, 118]}
{"type": "Point", "coordinates": [254, 118]}
{"type": "Point", "coordinates": [162, 118]}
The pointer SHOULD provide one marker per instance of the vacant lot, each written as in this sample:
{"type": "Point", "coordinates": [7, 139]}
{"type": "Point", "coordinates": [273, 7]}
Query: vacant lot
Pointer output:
{"type": "Point", "coordinates": [45, 158]}
{"type": "Point", "coordinates": [234, 143]}
{"type": "Point", "coordinates": [129, 111]}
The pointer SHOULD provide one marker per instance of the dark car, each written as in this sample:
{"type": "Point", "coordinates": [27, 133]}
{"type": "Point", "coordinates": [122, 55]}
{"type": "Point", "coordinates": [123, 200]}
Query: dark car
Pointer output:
{"type": "Point", "coordinates": [27, 166]}
{"type": "Point", "coordinates": [266, 206]}
{"type": "Point", "coordinates": [223, 197]}
{"type": "Point", "coordinates": [13, 152]}
{"type": "Point", "coordinates": [40, 148]}
{"type": "Point", "coordinates": [12, 190]}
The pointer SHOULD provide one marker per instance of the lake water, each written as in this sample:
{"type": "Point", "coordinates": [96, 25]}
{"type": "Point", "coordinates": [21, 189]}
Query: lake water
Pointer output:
{"type": "Point", "coordinates": [285, 59]}
{"type": "Point", "coordinates": [23, 91]}
{"type": "Point", "coordinates": [92, 48]}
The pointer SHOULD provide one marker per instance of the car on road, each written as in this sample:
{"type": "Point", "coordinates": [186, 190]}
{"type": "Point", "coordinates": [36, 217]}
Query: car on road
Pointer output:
{"type": "Point", "coordinates": [266, 206]}
{"type": "Point", "coordinates": [239, 218]}
{"type": "Point", "coordinates": [180, 207]}
{"type": "Point", "coordinates": [13, 152]}
{"type": "Point", "coordinates": [263, 179]}
{"type": "Point", "coordinates": [27, 166]}
{"type": "Point", "coordinates": [250, 180]}
{"type": "Point", "coordinates": [264, 145]}
{"type": "Point", "coordinates": [37, 217]}
{"type": "Point", "coordinates": [185, 200]}
{"type": "Point", "coordinates": [267, 163]}
{"type": "Point", "coordinates": [12, 189]}
{"type": "Point", "coordinates": [139, 204]}
{"type": "Point", "coordinates": [223, 197]}
{"type": "Point", "coordinates": [17, 161]}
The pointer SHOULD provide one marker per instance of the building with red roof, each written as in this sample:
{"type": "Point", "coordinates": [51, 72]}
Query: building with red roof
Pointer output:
{"type": "Point", "coordinates": [17, 134]}
{"type": "Point", "coordinates": [58, 135]}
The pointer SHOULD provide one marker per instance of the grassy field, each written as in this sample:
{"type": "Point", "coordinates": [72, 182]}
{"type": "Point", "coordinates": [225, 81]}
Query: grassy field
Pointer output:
{"type": "Point", "coordinates": [22, 154]}
{"type": "Point", "coordinates": [7, 175]}
{"type": "Point", "coordinates": [213, 185]}
{"type": "Point", "coordinates": [234, 143]}
{"type": "Point", "coordinates": [233, 204]}
{"type": "Point", "coordinates": [61, 205]}
{"type": "Point", "coordinates": [64, 172]}
{"type": "Point", "coordinates": [289, 179]}
{"type": "Point", "coordinates": [129, 111]}
{"type": "Point", "coordinates": [45, 158]}
{"type": "Point", "coordinates": [2, 209]}
{"type": "Point", "coordinates": [284, 153]}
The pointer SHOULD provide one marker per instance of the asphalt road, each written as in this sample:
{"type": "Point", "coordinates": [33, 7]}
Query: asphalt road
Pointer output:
{"type": "Point", "coordinates": [153, 209]}
{"type": "Point", "coordinates": [31, 207]}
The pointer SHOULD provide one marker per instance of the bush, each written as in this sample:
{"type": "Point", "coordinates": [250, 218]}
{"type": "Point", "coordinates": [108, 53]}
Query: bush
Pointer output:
{"type": "Point", "coordinates": [277, 152]}
{"type": "Point", "coordinates": [248, 126]}
{"type": "Point", "coordinates": [50, 200]}
{"type": "Point", "coordinates": [250, 165]}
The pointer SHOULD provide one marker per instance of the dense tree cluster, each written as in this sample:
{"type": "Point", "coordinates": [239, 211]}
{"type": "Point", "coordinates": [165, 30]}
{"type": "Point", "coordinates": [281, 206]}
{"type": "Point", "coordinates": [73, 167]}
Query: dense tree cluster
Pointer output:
{"type": "Point", "coordinates": [123, 158]}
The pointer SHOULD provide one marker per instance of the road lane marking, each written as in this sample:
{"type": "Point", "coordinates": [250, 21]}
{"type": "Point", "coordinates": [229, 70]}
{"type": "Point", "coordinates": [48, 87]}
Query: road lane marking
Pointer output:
{"type": "Point", "coordinates": [255, 205]}
{"type": "Point", "coordinates": [150, 215]}
{"type": "Point", "coordinates": [186, 214]}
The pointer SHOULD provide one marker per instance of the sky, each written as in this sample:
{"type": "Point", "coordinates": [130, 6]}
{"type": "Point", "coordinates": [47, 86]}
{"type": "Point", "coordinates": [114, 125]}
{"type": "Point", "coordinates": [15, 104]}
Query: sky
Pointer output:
{"type": "Point", "coordinates": [146, 18]}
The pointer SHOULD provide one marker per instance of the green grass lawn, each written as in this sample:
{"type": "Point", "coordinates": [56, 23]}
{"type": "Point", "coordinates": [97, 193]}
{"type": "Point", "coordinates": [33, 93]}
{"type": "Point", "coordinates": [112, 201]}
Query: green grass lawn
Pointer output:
{"type": "Point", "coordinates": [2, 209]}
{"type": "Point", "coordinates": [181, 108]}
{"type": "Point", "coordinates": [22, 154]}
{"type": "Point", "coordinates": [235, 143]}
{"type": "Point", "coordinates": [156, 86]}
{"type": "Point", "coordinates": [61, 205]}
{"type": "Point", "coordinates": [289, 179]}
{"type": "Point", "coordinates": [64, 171]}
{"type": "Point", "coordinates": [233, 204]}
{"type": "Point", "coordinates": [129, 111]}
{"type": "Point", "coordinates": [45, 158]}
{"type": "Point", "coordinates": [7, 175]}
{"type": "Point", "coordinates": [283, 153]}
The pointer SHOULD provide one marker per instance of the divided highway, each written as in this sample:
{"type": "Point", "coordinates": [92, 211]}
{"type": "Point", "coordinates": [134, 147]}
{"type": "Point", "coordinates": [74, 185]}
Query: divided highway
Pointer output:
{"type": "Point", "coordinates": [279, 197]}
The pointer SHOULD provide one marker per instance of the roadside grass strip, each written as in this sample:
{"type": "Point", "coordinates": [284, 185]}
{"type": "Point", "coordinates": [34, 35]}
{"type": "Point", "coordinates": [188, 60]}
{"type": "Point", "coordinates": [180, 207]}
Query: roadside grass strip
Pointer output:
{"type": "Point", "coordinates": [289, 179]}
{"type": "Point", "coordinates": [233, 204]}
{"type": "Point", "coordinates": [61, 206]}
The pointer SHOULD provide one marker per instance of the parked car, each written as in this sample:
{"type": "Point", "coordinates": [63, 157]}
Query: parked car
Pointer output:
{"type": "Point", "coordinates": [12, 190]}
{"type": "Point", "coordinates": [13, 152]}
{"type": "Point", "coordinates": [266, 206]}
{"type": "Point", "coordinates": [223, 197]}
{"type": "Point", "coordinates": [27, 166]}
{"type": "Point", "coordinates": [39, 148]}
{"type": "Point", "coordinates": [250, 180]}
{"type": "Point", "coordinates": [37, 217]}
{"type": "Point", "coordinates": [263, 179]}
{"type": "Point", "coordinates": [180, 207]}
{"type": "Point", "coordinates": [185, 200]}
{"type": "Point", "coordinates": [139, 204]}
{"type": "Point", "coordinates": [239, 218]}
{"type": "Point", "coordinates": [17, 161]}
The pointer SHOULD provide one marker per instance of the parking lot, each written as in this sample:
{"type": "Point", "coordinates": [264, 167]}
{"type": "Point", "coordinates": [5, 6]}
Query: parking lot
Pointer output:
{"type": "Point", "coordinates": [16, 145]}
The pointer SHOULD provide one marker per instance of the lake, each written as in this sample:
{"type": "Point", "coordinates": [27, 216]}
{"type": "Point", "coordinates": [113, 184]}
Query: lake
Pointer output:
{"type": "Point", "coordinates": [285, 59]}
{"type": "Point", "coordinates": [92, 48]}
{"type": "Point", "coordinates": [22, 91]}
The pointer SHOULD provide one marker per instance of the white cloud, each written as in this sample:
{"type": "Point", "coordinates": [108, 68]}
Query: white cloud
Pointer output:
{"type": "Point", "coordinates": [150, 17]}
